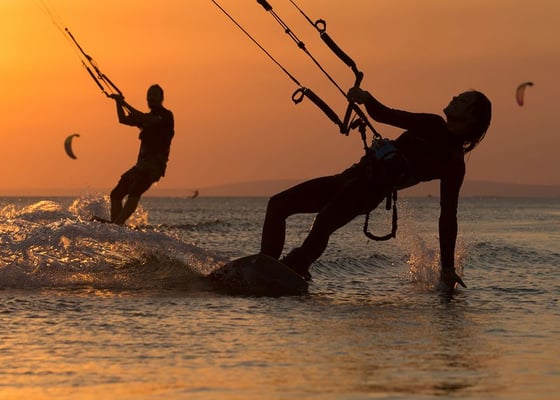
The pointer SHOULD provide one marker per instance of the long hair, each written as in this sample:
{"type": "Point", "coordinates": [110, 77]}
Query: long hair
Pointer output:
{"type": "Point", "coordinates": [482, 114]}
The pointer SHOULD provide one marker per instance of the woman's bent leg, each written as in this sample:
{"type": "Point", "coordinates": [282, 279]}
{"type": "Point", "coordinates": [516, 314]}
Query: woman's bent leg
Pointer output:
{"type": "Point", "coordinates": [354, 199]}
{"type": "Point", "coordinates": [307, 197]}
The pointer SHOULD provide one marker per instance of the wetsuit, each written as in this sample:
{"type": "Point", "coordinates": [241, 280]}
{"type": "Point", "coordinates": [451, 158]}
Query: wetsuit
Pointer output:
{"type": "Point", "coordinates": [426, 151]}
{"type": "Point", "coordinates": [155, 143]}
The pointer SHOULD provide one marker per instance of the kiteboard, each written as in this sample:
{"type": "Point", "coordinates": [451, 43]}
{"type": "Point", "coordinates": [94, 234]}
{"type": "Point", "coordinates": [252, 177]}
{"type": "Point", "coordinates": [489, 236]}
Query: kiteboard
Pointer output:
{"type": "Point", "coordinates": [258, 275]}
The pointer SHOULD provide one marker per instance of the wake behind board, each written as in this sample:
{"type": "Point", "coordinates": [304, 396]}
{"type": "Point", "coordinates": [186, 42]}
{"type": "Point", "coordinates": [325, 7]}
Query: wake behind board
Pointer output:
{"type": "Point", "coordinates": [258, 275]}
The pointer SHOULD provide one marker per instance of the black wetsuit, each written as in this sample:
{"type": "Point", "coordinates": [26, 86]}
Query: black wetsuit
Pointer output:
{"type": "Point", "coordinates": [427, 151]}
{"type": "Point", "coordinates": [155, 143]}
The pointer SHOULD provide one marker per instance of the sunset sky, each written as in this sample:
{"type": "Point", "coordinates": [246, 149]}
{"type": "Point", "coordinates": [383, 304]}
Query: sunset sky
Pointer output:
{"type": "Point", "coordinates": [234, 117]}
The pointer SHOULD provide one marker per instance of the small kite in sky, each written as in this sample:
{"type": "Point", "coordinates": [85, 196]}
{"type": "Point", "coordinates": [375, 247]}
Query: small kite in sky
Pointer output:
{"type": "Point", "coordinates": [68, 145]}
{"type": "Point", "coordinates": [520, 92]}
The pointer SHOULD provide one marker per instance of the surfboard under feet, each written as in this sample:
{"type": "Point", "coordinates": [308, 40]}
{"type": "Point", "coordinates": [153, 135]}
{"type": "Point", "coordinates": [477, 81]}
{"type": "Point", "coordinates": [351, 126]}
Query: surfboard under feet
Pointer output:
{"type": "Point", "coordinates": [259, 275]}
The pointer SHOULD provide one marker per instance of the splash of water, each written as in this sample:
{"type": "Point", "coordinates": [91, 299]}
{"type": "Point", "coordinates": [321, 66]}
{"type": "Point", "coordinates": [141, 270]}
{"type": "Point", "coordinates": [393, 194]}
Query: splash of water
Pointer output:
{"type": "Point", "coordinates": [424, 263]}
{"type": "Point", "coordinates": [44, 244]}
{"type": "Point", "coordinates": [85, 207]}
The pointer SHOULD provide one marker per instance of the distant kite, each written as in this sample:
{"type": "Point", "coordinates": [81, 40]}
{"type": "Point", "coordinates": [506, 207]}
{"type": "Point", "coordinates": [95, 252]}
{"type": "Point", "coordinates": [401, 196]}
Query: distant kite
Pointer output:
{"type": "Point", "coordinates": [520, 92]}
{"type": "Point", "coordinates": [68, 145]}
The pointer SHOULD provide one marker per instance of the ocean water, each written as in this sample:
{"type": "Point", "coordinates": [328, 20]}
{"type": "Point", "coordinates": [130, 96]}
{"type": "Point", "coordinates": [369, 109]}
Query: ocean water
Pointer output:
{"type": "Point", "coordinates": [91, 310]}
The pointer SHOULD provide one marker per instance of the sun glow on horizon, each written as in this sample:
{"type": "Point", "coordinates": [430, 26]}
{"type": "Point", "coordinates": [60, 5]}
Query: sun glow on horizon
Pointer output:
{"type": "Point", "coordinates": [235, 120]}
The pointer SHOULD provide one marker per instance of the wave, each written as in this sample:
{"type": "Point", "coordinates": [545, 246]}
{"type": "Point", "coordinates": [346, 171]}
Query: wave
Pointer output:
{"type": "Point", "coordinates": [203, 226]}
{"type": "Point", "coordinates": [45, 244]}
{"type": "Point", "coordinates": [510, 254]}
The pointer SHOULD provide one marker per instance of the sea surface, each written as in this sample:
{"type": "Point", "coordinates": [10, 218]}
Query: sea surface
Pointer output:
{"type": "Point", "coordinates": [98, 311]}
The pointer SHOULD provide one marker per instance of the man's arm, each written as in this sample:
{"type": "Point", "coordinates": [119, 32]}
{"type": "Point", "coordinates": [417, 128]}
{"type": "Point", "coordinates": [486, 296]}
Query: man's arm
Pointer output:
{"type": "Point", "coordinates": [128, 115]}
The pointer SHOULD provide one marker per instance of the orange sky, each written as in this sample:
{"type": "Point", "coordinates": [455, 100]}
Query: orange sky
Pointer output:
{"type": "Point", "coordinates": [235, 120]}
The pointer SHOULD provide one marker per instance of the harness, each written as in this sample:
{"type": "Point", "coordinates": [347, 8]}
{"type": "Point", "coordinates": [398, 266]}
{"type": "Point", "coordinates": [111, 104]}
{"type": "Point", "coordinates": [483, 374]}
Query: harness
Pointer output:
{"type": "Point", "coordinates": [380, 151]}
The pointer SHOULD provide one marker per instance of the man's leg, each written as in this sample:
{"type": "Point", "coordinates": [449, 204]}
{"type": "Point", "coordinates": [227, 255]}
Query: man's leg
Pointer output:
{"type": "Point", "coordinates": [138, 186]}
{"type": "Point", "coordinates": [128, 209]}
{"type": "Point", "coordinates": [117, 196]}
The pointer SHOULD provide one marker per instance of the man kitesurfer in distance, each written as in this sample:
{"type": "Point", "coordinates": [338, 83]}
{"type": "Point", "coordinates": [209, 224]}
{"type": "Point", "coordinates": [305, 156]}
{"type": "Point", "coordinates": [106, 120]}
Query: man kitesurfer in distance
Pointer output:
{"type": "Point", "coordinates": [430, 148]}
{"type": "Point", "coordinates": [157, 131]}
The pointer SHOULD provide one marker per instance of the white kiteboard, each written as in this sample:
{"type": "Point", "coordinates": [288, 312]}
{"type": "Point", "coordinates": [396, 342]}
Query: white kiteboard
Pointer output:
{"type": "Point", "coordinates": [259, 275]}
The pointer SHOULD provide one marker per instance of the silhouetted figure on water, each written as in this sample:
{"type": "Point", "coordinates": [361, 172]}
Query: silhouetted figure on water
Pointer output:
{"type": "Point", "coordinates": [430, 148]}
{"type": "Point", "coordinates": [157, 130]}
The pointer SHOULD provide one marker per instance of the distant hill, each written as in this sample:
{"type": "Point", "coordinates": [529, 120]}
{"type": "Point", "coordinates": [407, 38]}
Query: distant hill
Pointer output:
{"type": "Point", "coordinates": [469, 189]}
{"type": "Point", "coordinates": [250, 189]}
{"type": "Point", "coordinates": [488, 189]}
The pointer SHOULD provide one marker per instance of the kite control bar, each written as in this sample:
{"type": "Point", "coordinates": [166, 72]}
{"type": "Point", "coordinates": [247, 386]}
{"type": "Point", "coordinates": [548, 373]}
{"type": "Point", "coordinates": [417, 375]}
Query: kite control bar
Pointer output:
{"type": "Point", "coordinates": [302, 92]}
{"type": "Point", "coordinates": [321, 26]}
{"type": "Point", "coordinates": [349, 123]}
{"type": "Point", "coordinates": [345, 125]}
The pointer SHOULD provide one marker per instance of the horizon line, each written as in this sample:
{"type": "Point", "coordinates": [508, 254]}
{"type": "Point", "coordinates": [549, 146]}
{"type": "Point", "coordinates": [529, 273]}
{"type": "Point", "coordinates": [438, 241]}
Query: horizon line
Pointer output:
{"type": "Point", "coordinates": [266, 188]}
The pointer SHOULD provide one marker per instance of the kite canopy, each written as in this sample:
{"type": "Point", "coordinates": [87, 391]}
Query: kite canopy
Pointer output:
{"type": "Point", "coordinates": [520, 92]}
{"type": "Point", "coordinates": [68, 145]}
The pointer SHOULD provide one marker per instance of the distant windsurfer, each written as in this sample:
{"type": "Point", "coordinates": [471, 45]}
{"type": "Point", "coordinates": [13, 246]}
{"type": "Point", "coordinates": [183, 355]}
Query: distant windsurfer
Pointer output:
{"type": "Point", "coordinates": [430, 148]}
{"type": "Point", "coordinates": [157, 131]}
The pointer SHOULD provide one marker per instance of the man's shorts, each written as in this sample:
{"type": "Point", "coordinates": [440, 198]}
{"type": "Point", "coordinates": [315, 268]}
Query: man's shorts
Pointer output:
{"type": "Point", "coordinates": [139, 178]}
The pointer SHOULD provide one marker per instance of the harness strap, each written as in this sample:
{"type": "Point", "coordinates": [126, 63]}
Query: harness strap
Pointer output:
{"type": "Point", "coordinates": [393, 233]}
{"type": "Point", "coordinates": [393, 195]}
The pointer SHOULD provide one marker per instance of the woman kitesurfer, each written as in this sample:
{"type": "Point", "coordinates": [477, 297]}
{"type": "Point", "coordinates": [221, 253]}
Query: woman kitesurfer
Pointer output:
{"type": "Point", "coordinates": [430, 148]}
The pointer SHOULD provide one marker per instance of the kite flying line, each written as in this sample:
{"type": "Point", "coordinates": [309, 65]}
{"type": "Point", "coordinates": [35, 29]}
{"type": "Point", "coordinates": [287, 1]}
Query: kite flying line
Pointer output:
{"type": "Point", "coordinates": [101, 80]}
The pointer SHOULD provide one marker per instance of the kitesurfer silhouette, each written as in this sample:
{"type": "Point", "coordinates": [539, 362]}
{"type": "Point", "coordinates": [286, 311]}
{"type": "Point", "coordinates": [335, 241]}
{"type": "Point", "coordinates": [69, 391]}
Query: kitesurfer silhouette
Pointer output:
{"type": "Point", "coordinates": [430, 148]}
{"type": "Point", "coordinates": [157, 131]}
